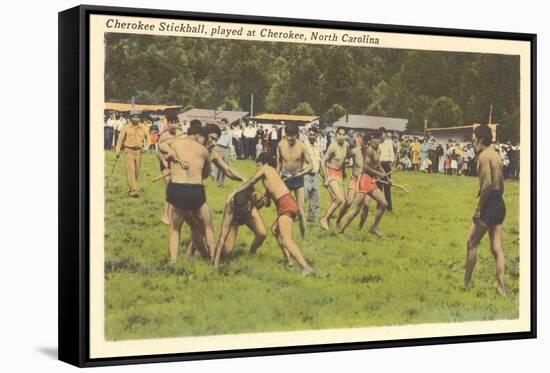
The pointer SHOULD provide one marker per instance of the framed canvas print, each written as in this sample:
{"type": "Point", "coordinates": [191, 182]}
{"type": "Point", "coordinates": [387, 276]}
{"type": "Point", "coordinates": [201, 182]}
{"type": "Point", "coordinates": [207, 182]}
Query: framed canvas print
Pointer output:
{"type": "Point", "coordinates": [234, 186]}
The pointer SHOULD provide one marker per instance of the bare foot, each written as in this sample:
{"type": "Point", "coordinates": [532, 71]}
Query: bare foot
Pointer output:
{"type": "Point", "coordinates": [308, 271]}
{"type": "Point", "coordinates": [468, 284]}
{"type": "Point", "coordinates": [501, 290]}
{"type": "Point", "coordinates": [376, 232]}
{"type": "Point", "coordinates": [324, 223]}
{"type": "Point", "coordinates": [165, 220]}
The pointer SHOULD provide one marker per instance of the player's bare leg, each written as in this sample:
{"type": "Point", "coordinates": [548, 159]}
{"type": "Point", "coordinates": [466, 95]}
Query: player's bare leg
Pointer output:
{"type": "Point", "coordinates": [381, 205]}
{"type": "Point", "coordinates": [165, 218]}
{"type": "Point", "coordinates": [228, 236]}
{"type": "Point", "coordinates": [357, 205]}
{"type": "Point", "coordinates": [338, 197]}
{"type": "Point", "coordinates": [495, 237]}
{"type": "Point", "coordinates": [350, 198]}
{"type": "Point", "coordinates": [205, 218]}
{"type": "Point", "coordinates": [284, 225]}
{"type": "Point", "coordinates": [177, 218]}
{"type": "Point", "coordinates": [364, 211]}
{"type": "Point", "coordinates": [477, 231]}
{"type": "Point", "coordinates": [190, 249]}
{"type": "Point", "coordinates": [301, 201]}
{"type": "Point", "coordinates": [256, 225]}
{"type": "Point", "coordinates": [197, 236]}
{"type": "Point", "coordinates": [230, 240]}
{"type": "Point", "coordinates": [286, 253]}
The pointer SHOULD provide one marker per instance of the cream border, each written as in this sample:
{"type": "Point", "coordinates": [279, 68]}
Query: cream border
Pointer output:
{"type": "Point", "coordinates": [100, 348]}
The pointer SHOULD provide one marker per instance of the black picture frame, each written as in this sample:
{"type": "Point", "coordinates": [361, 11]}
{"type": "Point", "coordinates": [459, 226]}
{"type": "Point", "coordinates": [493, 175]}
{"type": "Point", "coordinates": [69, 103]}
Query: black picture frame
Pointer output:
{"type": "Point", "coordinates": [74, 185]}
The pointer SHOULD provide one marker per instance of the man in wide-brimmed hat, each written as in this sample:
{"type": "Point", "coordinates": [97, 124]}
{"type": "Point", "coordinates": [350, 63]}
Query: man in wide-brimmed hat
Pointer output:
{"type": "Point", "coordinates": [133, 139]}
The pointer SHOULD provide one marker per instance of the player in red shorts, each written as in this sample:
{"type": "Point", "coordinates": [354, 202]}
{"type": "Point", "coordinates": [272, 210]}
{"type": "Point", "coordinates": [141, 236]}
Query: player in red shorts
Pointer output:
{"type": "Point", "coordinates": [287, 208]}
{"type": "Point", "coordinates": [332, 172]}
{"type": "Point", "coordinates": [368, 189]}
{"type": "Point", "coordinates": [357, 156]}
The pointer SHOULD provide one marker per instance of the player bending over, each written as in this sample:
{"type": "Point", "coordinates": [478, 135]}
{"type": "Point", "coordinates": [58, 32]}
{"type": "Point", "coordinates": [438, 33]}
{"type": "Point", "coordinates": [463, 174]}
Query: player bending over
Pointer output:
{"type": "Point", "coordinates": [287, 208]}
{"type": "Point", "coordinates": [241, 209]}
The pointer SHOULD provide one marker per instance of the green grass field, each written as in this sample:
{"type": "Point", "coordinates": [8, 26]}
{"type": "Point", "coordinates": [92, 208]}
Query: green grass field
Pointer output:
{"type": "Point", "coordinates": [412, 275]}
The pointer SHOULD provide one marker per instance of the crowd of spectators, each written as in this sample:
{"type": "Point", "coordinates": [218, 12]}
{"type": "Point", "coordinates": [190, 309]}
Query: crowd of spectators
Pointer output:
{"type": "Point", "coordinates": [452, 158]}
{"type": "Point", "coordinates": [416, 153]}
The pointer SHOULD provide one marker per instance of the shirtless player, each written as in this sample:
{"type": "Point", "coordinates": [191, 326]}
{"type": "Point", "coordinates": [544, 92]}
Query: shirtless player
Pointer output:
{"type": "Point", "coordinates": [185, 193]}
{"type": "Point", "coordinates": [358, 198]}
{"type": "Point", "coordinates": [293, 162]}
{"type": "Point", "coordinates": [366, 186]}
{"type": "Point", "coordinates": [490, 211]}
{"type": "Point", "coordinates": [241, 209]}
{"type": "Point", "coordinates": [287, 208]}
{"type": "Point", "coordinates": [332, 171]}
{"type": "Point", "coordinates": [213, 133]}
{"type": "Point", "coordinates": [173, 131]}
{"type": "Point", "coordinates": [357, 156]}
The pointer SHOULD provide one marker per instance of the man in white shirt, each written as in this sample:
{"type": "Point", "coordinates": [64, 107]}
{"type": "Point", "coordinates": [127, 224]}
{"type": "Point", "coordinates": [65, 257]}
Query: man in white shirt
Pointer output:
{"type": "Point", "coordinates": [237, 134]}
{"type": "Point", "coordinates": [249, 143]}
{"type": "Point", "coordinates": [386, 160]}
{"type": "Point", "coordinates": [222, 148]}
{"type": "Point", "coordinates": [471, 160]}
{"type": "Point", "coordinates": [274, 140]}
{"type": "Point", "coordinates": [117, 127]}
{"type": "Point", "coordinates": [312, 181]}
{"type": "Point", "coordinates": [108, 132]}
{"type": "Point", "coordinates": [396, 146]}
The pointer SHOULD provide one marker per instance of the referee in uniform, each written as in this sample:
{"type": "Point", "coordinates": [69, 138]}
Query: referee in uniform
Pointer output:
{"type": "Point", "coordinates": [132, 140]}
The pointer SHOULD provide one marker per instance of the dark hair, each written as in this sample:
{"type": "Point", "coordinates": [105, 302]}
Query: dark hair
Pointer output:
{"type": "Point", "coordinates": [366, 137]}
{"type": "Point", "coordinates": [196, 130]}
{"type": "Point", "coordinates": [212, 128]}
{"type": "Point", "coordinates": [484, 134]}
{"type": "Point", "coordinates": [172, 118]}
{"type": "Point", "coordinates": [243, 197]}
{"type": "Point", "coordinates": [377, 134]}
{"type": "Point", "coordinates": [313, 129]}
{"type": "Point", "coordinates": [341, 129]}
{"type": "Point", "coordinates": [195, 122]}
{"type": "Point", "coordinates": [291, 129]}
{"type": "Point", "coordinates": [266, 158]}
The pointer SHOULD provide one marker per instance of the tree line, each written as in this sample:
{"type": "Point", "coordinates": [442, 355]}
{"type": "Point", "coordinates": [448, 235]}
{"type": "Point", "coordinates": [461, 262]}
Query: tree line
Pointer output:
{"type": "Point", "coordinates": [444, 88]}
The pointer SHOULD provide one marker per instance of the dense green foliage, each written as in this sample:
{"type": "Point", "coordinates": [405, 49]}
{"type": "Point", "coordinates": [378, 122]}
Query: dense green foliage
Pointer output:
{"type": "Point", "coordinates": [446, 88]}
{"type": "Point", "coordinates": [412, 275]}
